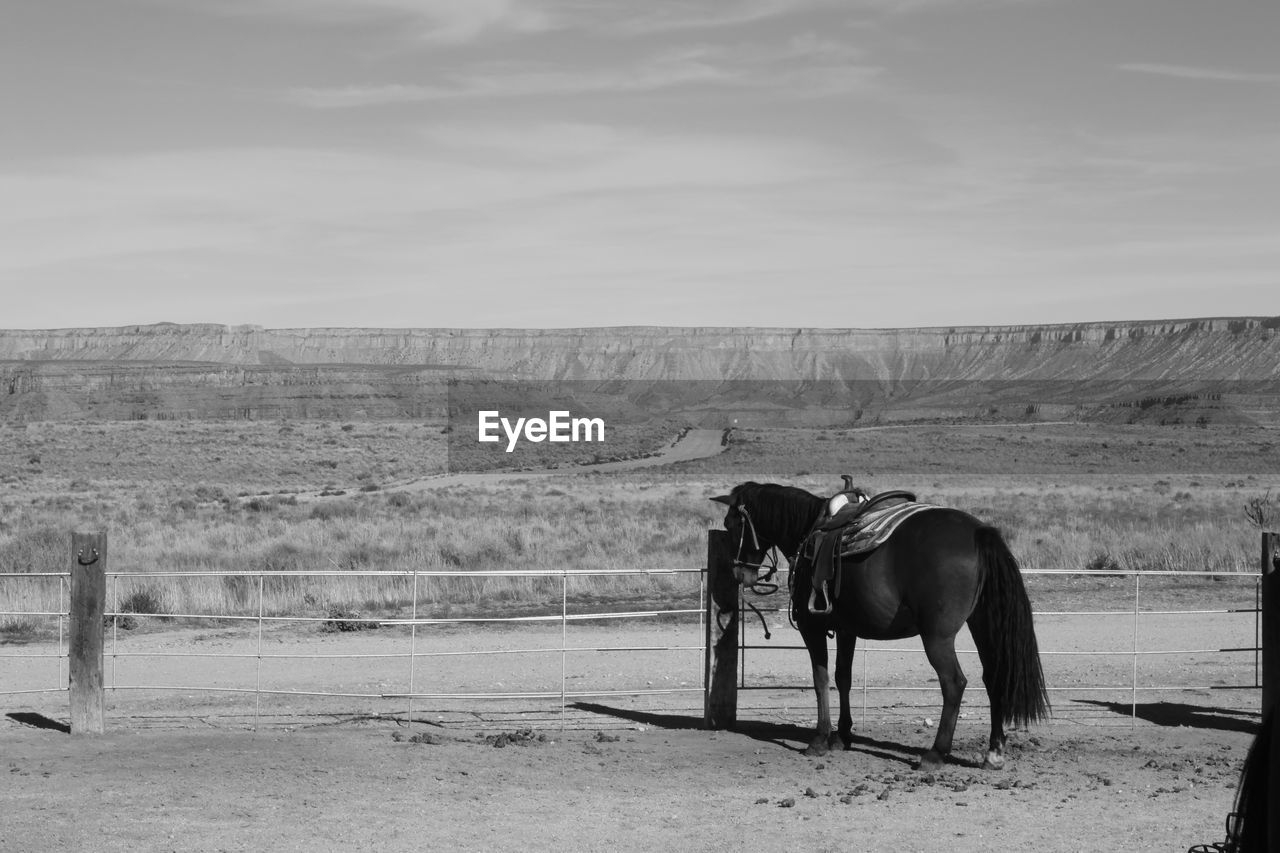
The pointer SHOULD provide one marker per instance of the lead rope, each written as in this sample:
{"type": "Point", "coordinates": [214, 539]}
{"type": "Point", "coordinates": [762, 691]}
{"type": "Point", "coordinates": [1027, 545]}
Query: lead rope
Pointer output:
{"type": "Point", "coordinates": [764, 586]}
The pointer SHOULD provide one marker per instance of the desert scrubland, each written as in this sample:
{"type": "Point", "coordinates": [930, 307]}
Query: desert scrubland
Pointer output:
{"type": "Point", "coordinates": [180, 496]}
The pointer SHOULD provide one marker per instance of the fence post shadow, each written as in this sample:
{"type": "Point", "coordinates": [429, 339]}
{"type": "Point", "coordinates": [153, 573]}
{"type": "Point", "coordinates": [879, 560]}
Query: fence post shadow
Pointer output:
{"type": "Point", "coordinates": [38, 721]}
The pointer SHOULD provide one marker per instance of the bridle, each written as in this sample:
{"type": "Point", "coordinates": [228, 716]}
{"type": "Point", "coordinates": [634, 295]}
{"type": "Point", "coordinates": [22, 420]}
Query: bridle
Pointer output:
{"type": "Point", "coordinates": [770, 554]}
{"type": "Point", "coordinates": [769, 561]}
{"type": "Point", "coordinates": [763, 584]}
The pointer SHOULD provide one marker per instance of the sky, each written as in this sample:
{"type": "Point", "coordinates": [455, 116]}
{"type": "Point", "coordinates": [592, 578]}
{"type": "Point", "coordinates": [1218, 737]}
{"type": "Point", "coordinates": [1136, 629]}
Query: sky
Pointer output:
{"type": "Point", "coordinates": [553, 163]}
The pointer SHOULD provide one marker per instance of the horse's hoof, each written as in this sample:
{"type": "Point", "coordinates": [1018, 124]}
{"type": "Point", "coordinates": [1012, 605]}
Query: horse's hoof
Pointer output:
{"type": "Point", "coordinates": [930, 761]}
{"type": "Point", "coordinates": [993, 762]}
{"type": "Point", "coordinates": [817, 749]}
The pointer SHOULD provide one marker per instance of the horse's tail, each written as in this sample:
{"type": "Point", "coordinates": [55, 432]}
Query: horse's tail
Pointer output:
{"type": "Point", "coordinates": [1004, 613]}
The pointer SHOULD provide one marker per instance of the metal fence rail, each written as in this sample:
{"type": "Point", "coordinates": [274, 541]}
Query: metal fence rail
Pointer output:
{"type": "Point", "coordinates": [60, 670]}
{"type": "Point", "coordinates": [414, 692]}
{"type": "Point", "coordinates": [1136, 652]}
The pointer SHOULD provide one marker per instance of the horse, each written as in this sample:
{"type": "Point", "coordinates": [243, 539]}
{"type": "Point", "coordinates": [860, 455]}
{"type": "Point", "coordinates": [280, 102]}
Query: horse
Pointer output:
{"type": "Point", "coordinates": [942, 568]}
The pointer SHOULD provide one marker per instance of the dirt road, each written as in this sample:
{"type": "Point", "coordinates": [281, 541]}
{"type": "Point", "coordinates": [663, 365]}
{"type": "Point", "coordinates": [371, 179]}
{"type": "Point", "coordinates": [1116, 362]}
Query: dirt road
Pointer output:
{"type": "Point", "coordinates": [694, 444]}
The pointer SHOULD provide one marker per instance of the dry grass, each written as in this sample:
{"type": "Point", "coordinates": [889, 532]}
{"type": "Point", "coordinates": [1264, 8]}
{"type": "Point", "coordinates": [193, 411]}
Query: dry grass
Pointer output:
{"type": "Point", "coordinates": [237, 456]}
{"type": "Point", "coordinates": [1100, 451]}
{"type": "Point", "coordinates": [1185, 509]}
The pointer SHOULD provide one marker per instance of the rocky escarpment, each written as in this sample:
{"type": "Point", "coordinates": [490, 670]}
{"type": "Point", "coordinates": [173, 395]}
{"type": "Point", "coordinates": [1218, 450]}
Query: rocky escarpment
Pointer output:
{"type": "Point", "coordinates": [1242, 348]}
{"type": "Point", "coordinates": [248, 371]}
{"type": "Point", "coordinates": [76, 390]}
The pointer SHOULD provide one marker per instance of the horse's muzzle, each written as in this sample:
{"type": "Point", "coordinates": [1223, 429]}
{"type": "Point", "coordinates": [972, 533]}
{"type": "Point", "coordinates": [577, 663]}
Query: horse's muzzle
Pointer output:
{"type": "Point", "coordinates": [746, 575]}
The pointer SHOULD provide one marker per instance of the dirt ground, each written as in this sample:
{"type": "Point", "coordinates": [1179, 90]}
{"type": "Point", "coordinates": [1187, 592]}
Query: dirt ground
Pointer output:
{"type": "Point", "coordinates": [366, 786]}
{"type": "Point", "coordinates": [183, 768]}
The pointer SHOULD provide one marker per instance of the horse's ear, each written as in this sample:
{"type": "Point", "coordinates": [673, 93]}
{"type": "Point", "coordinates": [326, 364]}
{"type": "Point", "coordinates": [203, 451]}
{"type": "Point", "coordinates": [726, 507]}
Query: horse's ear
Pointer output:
{"type": "Point", "coordinates": [727, 500]}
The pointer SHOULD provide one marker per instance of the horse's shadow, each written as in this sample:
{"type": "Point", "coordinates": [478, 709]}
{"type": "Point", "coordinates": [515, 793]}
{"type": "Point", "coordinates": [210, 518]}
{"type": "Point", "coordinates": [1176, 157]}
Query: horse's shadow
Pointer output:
{"type": "Point", "coordinates": [789, 736]}
{"type": "Point", "coordinates": [1178, 714]}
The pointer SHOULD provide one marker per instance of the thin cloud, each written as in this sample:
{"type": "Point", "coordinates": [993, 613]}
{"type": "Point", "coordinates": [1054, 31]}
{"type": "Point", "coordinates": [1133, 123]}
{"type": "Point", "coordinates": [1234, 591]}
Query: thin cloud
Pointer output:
{"type": "Point", "coordinates": [806, 66]}
{"type": "Point", "coordinates": [509, 80]}
{"type": "Point", "coordinates": [1191, 72]}
{"type": "Point", "coordinates": [350, 97]}
{"type": "Point", "coordinates": [664, 16]}
{"type": "Point", "coordinates": [461, 21]}
{"type": "Point", "coordinates": [659, 17]}
{"type": "Point", "coordinates": [436, 21]}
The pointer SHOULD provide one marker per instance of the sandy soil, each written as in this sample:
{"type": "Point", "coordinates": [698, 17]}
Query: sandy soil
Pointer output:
{"type": "Point", "coordinates": [358, 787]}
{"type": "Point", "coordinates": [183, 769]}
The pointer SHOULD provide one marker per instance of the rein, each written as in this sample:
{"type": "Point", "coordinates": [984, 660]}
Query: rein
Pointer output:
{"type": "Point", "coordinates": [763, 584]}
{"type": "Point", "coordinates": [769, 555]}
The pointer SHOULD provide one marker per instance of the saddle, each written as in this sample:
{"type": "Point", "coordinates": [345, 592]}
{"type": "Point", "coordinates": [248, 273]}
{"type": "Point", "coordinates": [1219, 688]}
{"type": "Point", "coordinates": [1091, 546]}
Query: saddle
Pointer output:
{"type": "Point", "coordinates": [857, 526]}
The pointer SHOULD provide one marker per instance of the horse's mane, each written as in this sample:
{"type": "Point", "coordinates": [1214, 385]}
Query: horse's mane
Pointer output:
{"type": "Point", "coordinates": [782, 514]}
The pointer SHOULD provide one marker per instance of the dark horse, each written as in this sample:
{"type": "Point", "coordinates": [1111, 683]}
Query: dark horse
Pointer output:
{"type": "Point", "coordinates": [940, 569]}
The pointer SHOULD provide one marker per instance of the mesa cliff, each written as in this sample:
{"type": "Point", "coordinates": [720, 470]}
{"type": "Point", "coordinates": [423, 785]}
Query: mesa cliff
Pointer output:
{"type": "Point", "coordinates": [1239, 348]}
{"type": "Point", "coordinates": [203, 370]}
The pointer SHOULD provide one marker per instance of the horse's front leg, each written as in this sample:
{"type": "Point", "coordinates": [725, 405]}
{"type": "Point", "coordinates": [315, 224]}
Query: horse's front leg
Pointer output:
{"type": "Point", "coordinates": [816, 642]}
{"type": "Point", "coordinates": [846, 641]}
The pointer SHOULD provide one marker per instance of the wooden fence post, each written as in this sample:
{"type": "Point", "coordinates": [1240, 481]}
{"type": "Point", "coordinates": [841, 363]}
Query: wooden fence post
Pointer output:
{"type": "Point", "coordinates": [720, 705]}
{"type": "Point", "coordinates": [1270, 622]}
{"type": "Point", "coordinates": [1271, 676]}
{"type": "Point", "coordinates": [84, 650]}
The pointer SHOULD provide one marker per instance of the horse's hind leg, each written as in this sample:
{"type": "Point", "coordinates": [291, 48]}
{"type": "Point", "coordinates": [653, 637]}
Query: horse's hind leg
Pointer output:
{"type": "Point", "coordinates": [846, 641]}
{"type": "Point", "coordinates": [986, 654]}
{"type": "Point", "coordinates": [941, 652]}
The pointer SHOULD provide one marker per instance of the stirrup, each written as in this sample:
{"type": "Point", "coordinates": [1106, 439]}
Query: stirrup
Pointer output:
{"type": "Point", "coordinates": [813, 600]}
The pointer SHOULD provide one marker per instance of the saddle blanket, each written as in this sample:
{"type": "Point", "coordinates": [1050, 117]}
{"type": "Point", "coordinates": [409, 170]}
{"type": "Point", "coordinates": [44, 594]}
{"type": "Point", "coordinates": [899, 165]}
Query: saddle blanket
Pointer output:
{"type": "Point", "coordinates": [873, 529]}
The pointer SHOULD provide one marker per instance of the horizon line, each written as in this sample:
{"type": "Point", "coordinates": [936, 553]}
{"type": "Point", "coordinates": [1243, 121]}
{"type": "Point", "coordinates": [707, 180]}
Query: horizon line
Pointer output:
{"type": "Point", "coordinates": [254, 327]}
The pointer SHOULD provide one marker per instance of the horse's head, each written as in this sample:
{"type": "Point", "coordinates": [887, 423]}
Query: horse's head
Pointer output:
{"type": "Point", "coordinates": [764, 516]}
{"type": "Point", "coordinates": [749, 547]}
